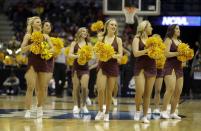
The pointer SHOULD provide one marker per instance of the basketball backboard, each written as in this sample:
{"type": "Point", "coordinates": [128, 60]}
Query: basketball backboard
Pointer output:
{"type": "Point", "coordinates": [145, 7]}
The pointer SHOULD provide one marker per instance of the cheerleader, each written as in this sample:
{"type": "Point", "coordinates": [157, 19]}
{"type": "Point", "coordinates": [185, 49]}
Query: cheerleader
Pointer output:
{"type": "Point", "coordinates": [37, 68]}
{"type": "Point", "coordinates": [47, 28]}
{"type": "Point", "coordinates": [144, 70]}
{"type": "Point", "coordinates": [109, 71]}
{"type": "Point", "coordinates": [173, 73]}
{"type": "Point", "coordinates": [80, 73]}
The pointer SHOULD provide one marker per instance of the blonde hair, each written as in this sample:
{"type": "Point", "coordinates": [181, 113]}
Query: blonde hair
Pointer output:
{"type": "Point", "coordinates": [79, 33]}
{"type": "Point", "coordinates": [141, 29]}
{"type": "Point", "coordinates": [105, 28]}
{"type": "Point", "coordinates": [30, 22]}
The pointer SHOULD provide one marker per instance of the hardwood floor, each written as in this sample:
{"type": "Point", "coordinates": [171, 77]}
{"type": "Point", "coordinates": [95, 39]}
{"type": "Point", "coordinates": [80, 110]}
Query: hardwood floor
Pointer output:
{"type": "Point", "coordinates": [58, 116]}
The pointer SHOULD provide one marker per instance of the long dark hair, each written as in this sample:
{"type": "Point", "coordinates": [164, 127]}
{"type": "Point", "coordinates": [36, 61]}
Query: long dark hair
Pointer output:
{"type": "Point", "coordinates": [47, 21]}
{"type": "Point", "coordinates": [170, 31]}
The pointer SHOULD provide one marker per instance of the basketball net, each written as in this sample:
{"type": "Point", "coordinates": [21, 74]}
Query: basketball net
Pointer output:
{"type": "Point", "coordinates": [129, 13]}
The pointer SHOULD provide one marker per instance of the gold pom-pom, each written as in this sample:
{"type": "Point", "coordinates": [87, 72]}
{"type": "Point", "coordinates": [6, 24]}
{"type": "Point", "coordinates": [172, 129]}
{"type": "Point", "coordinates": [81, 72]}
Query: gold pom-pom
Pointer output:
{"type": "Point", "coordinates": [21, 59]}
{"type": "Point", "coordinates": [155, 53]}
{"type": "Point", "coordinates": [35, 49]}
{"type": "Point", "coordinates": [156, 47]}
{"type": "Point", "coordinates": [97, 26]}
{"type": "Point", "coordinates": [103, 51]}
{"type": "Point", "coordinates": [190, 54]}
{"type": "Point", "coordinates": [85, 54]}
{"type": "Point", "coordinates": [67, 50]}
{"type": "Point", "coordinates": [154, 40]}
{"type": "Point", "coordinates": [93, 27]}
{"type": "Point", "coordinates": [8, 60]}
{"type": "Point", "coordinates": [160, 62]}
{"type": "Point", "coordinates": [182, 48]}
{"type": "Point", "coordinates": [2, 56]}
{"type": "Point", "coordinates": [45, 53]}
{"type": "Point", "coordinates": [109, 51]}
{"type": "Point", "coordinates": [69, 61]}
{"type": "Point", "coordinates": [82, 60]}
{"type": "Point", "coordinates": [58, 44]}
{"type": "Point", "coordinates": [124, 60]}
{"type": "Point", "coordinates": [37, 37]}
{"type": "Point", "coordinates": [185, 53]}
{"type": "Point", "coordinates": [43, 49]}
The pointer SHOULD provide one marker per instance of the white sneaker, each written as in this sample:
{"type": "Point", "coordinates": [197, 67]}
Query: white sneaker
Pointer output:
{"type": "Point", "coordinates": [145, 120]}
{"type": "Point", "coordinates": [76, 115]}
{"type": "Point", "coordinates": [99, 116]}
{"type": "Point", "coordinates": [165, 115]}
{"type": "Point", "coordinates": [114, 101]}
{"type": "Point", "coordinates": [137, 115]}
{"type": "Point", "coordinates": [34, 109]}
{"type": "Point", "coordinates": [27, 114]}
{"type": "Point", "coordinates": [106, 117]}
{"type": "Point", "coordinates": [156, 111]}
{"type": "Point", "coordinates": [76, 110]}
{"type": "Point", "coordinates": [39, 112]}
{"type": "Point", "coordinates": [85, 110]}
{"type": "Point", "coordinates": [88, 101]}
{"type": "Point", "coordinates": [175, 116]}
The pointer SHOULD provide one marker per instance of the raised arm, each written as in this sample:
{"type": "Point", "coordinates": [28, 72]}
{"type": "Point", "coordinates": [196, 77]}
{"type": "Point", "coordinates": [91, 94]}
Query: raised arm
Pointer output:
{"type": "Point", "coordinates": [47, 38]}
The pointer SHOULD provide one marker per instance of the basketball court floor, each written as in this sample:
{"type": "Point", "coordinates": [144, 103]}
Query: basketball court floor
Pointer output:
{"type": "Point", "coordinates": [58, 116]}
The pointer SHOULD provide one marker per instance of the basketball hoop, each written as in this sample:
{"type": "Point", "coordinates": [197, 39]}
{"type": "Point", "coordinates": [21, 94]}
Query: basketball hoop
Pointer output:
{"type": "Point", "coordinates": [129, 13]}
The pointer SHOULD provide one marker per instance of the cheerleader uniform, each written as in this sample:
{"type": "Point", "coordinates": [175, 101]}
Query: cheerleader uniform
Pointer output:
{"type": "Point", "coordinates": [173, 63]}
{"type": "Point", "coordinates": [111, 67]}
{"type": "Point", "coordinates": [79, 69]}
{"type": "Point", "coordinates": [39, 64]}
{"type": "Point", "coordinates": [144, 62]}
{"type": "Point", "coordinates": [160, 73]}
